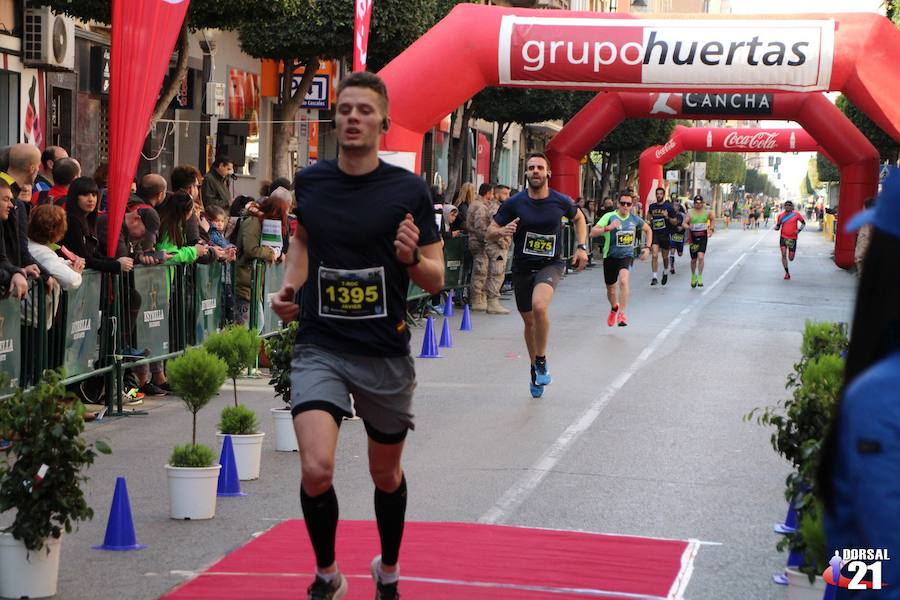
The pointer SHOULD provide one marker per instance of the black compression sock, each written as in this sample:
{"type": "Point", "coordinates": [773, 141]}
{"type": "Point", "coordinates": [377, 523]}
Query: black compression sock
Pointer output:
{"type": "Point", "coordinates": [540, 360]}
{"type": "Point", "coordinates": [321, 516]}
{"type": "Point", "coordinates": [390, 513]}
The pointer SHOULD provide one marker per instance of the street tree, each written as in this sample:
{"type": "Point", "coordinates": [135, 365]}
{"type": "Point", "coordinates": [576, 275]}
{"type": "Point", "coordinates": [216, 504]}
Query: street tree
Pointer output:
{"type": "Point", "coordinates": [888, 148]}
{"type": "Point", "coordinates": [322, 30]}
{"type": "Point", "coordinates": [626, 142]}
{"type": "Point", "coordinates": [755, 182]}
{"type": "Point", "coordinates": [507, 105]}
{"type": "Point", "coordinates": [826, 169]}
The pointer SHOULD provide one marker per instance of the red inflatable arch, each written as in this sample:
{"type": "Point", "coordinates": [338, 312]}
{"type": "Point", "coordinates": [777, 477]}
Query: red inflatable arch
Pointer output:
{"type": "Point", "coordinates": [716, 139]}
{"type": "Point", "coordinates": [479, 46]}
{"type": "Point", "coordinates": [841, 140]}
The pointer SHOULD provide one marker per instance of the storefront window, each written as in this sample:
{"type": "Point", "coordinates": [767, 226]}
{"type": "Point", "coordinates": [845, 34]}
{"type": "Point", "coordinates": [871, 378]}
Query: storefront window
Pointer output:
{"type": "Point", "coordinates": [9, 108]}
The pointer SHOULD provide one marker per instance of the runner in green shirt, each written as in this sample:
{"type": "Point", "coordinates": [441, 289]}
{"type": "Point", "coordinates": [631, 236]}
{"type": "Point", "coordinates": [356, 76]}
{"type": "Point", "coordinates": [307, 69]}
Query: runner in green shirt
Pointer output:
{"type": "Point", "coordinates": [620, 229]}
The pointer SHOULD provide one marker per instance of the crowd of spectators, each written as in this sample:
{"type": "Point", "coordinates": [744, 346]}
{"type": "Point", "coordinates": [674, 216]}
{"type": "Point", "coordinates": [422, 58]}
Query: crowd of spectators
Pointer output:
{"type": "Point", "coordinates": [53, 226]}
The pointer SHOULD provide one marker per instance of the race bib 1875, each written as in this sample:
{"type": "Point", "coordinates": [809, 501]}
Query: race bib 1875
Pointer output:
{"type": "Point", "coordinates": [352, 293]}
{"type": "Point", "coordinates": [538, 244]}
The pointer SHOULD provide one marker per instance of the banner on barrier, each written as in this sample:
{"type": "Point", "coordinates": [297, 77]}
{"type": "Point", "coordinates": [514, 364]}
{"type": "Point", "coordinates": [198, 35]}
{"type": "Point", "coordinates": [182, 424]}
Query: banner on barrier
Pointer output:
{"type": "Point", "coordinates": [272, 283]}
{"type": "Point", "coordinates": [208, 299]}
{"type": "Point", "coordinates": [83, 325]}
{"type": "Point", "coordinates": [152, 330]}
{"type": "Point", "coordinates": [10, 332]}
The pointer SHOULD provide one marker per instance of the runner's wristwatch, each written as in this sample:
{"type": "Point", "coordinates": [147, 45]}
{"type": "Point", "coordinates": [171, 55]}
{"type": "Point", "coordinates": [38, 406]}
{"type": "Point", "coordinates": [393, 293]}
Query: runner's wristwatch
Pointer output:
{"type": "Point", "coordinates": [417, 258]}
{"type": "Point", "coordinates": [581, 247]}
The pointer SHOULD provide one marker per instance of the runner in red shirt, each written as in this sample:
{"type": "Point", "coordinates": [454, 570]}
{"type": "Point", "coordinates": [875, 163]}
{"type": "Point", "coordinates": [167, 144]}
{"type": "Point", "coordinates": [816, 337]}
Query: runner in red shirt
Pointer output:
{"type": "Point", "coordinates": [790, 223]}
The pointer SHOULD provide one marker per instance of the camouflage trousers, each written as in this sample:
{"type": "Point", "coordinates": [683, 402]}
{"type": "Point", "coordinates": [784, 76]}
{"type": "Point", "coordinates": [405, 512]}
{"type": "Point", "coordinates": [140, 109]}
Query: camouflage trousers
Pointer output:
{"type": "Point", "coordinates": [488, 268]}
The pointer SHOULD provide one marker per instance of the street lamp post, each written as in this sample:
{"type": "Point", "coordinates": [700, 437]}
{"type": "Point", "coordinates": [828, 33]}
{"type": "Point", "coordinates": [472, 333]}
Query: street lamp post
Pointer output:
{"type": "Point", "coordinates": [208, 48]}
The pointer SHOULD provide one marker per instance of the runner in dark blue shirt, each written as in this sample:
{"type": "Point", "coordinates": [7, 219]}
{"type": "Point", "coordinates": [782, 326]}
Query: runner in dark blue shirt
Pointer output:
{"type": "Point", "coordinates": [533, 219]}
{"type": "Point", "coordinates": [661, 216]}
{"type": "Point", "coordinates": [364, 230]}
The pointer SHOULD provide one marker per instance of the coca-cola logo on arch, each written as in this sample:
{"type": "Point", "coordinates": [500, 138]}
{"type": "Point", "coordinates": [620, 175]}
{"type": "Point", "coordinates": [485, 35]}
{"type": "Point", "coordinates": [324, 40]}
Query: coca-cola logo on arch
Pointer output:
{"type": "Point", "coordinates": [662, 151]}
{"type": "Point", "coordinates": [762, 140]}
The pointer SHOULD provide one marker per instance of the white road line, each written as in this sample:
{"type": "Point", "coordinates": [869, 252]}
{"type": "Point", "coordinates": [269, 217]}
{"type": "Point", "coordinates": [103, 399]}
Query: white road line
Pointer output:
{"type": "Point", "coordinates": [587, 592]}
{"type": "Point", "coordinates": [516, 495]}
{"type": "Point", "coordinates": [676, 592]}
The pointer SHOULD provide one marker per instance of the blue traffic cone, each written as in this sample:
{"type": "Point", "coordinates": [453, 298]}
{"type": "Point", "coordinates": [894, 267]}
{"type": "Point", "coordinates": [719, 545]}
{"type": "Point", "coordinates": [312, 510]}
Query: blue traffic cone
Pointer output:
{"type": "Point", "coordinates": [446, 340]}
{"type": "Point", "coordinates": [229, 484]}
{"type": "Point", "coordinates": [120, 526]}
{"type": "Point", "coordinates": [795, 559]}
{"type": "Point", "coordinates": [448, 304]}
{"type": "Point", "coordinates": [790, 521]}
{"type": "Point", "coordinates": [466, 324]}
{"type": "Point", "coordinates": [429, 343]}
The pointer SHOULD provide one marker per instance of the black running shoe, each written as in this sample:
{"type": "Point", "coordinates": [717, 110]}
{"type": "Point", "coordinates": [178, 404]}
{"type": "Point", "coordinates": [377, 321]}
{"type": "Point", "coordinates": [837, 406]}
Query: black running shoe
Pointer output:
{"type": "Point", "coordinates": [665, 278]}
{"type": "Point", "coordinates": [383, 591]}
{"type": "Point", "coordinates": [324, 590]}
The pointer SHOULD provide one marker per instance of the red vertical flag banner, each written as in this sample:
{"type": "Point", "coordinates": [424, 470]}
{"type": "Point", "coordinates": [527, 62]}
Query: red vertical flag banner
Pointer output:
{"type": "Point", "coordinates": [143, 36]}
{"type": "Point", "coordinates": [361, 33]}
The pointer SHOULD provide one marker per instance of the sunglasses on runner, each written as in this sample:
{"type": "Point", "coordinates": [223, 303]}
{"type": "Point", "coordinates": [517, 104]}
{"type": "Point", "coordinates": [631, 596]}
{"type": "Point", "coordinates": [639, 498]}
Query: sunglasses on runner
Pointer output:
{"type": "Point", "coordinates": [625, 203]}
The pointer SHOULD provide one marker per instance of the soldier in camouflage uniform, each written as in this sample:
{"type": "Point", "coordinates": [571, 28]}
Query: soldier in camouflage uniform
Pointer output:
{"type": "Point", "coordinates": [489, 258]}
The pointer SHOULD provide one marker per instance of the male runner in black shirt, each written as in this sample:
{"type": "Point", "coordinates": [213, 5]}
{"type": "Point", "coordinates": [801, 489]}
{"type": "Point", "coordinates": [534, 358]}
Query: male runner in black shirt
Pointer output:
{"type": "Point", "coordinates": [365, 228]}
{"type": "Point", "coordinates": [661, 216]}
{"type": "Point", "coordinates": [533, 218]}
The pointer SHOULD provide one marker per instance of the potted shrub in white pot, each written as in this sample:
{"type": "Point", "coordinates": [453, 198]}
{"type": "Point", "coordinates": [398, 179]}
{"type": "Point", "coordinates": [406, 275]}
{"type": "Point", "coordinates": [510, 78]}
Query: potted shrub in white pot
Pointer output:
{"type": "Point", "coordinates": [240, 423]}
{"type": "Point", "coordinates": [41, 480]}
{"type": "Point", "coordinates": [193, 475]}
{"type": "Point", "coordinates": [806, 582]}
{"type": "Point", "coordinates": [238, 348]}
{"type": "Point", "coordinates": [280, 351]}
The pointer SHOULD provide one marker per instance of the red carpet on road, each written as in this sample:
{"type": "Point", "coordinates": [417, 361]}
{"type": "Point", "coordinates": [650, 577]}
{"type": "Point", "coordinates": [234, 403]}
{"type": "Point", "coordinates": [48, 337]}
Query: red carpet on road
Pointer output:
{"type": "Point", "coordinates": [440, 561]}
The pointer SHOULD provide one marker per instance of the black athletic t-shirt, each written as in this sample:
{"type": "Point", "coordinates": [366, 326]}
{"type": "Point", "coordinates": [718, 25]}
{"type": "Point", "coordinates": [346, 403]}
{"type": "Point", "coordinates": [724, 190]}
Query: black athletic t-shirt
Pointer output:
{"type": "Point", "coordinates": [658, 214]}
{"type": "Point", "coordinates": [354, 299]}
{"type": "Point", "coordinates": [538, 238]}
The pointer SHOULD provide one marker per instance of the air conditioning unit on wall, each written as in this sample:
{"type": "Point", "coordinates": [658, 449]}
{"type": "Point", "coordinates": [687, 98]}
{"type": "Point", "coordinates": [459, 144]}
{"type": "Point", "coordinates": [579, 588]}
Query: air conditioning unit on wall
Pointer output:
{"type": "Point", "coordinates": [48, 40]}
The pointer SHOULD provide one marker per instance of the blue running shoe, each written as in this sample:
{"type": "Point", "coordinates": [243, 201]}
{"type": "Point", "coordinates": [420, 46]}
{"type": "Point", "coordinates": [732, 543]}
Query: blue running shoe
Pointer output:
{"type": "Point", "coordinates": [536, 390]}
{"type": "Point", "coordinates": [542, 373]}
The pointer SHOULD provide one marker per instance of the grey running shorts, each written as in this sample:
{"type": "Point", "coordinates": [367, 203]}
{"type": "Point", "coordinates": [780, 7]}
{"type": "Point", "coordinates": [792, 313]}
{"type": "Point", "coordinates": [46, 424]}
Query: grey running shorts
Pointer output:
{"type": "Point", "coordinates": [382, 389]}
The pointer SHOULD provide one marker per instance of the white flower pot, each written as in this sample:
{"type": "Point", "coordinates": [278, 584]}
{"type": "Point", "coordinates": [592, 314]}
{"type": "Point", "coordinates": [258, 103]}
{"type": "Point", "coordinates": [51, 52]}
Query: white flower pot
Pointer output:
{"type": "Point", "coordinates": [799, 587]}
{"type": "Point", "coordinates": [192, 491]}
{"type": "Point", "coordinates": [285, 436]}
{"type": "Point", "coordinates": [26, 574]}
{"type": "Point", "coordinates": [247, 453]}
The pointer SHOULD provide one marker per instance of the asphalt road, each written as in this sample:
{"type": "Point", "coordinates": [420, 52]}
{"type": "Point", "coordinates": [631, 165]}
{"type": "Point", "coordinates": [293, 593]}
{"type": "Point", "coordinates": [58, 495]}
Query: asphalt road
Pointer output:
{"type": "Point", "coordinates": [640, 433]}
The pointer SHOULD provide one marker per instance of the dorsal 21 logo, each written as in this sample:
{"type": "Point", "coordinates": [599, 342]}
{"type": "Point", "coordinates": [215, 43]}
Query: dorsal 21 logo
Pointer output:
{"type": "Point", "coordinates": [860, 562]}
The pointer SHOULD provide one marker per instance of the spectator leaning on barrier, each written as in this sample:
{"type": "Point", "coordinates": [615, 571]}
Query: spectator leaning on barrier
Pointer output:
{"type": "Point", "coordinates": [215, 184]}
{"type": "Point", "coordinates": [151, 190]}
{"type": "Point", "coordinates": [43, 181]}
{"type": "Point", "coordinates": [138, 225]}
{"type": "Point", "coordinates": [25, 193]}
{"type": "Point", "coordinates": [46, 228]}
{"type": "Point", "coordinates": [12, 278]}
{"type": "Point", "coordinates": [23, 161]}
{"type": "Point", "coordinates": [250, 247]}
{"type": "Point", "coordinates": [218, 220]}
{"type": "Point", "coordinates": [81, 236]}
{"type": "Point", "coordinates": [65, 171]}
{"type": "Point", "coordinates": [463, 199]}
{"type": "Point", "coordinates": [174, 214]}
